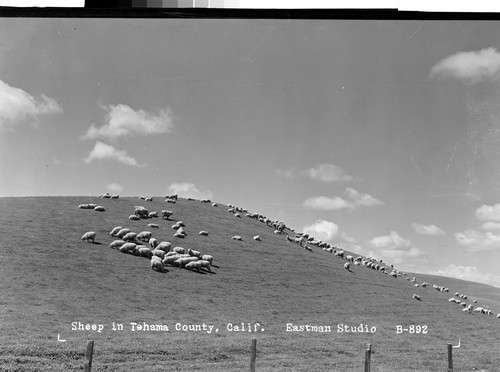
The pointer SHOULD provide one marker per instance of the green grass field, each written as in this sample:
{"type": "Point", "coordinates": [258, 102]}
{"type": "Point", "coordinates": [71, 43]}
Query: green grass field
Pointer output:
{"type": "Point", "coordinates": [51, 279]}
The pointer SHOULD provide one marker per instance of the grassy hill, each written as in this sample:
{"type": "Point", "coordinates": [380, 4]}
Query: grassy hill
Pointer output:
{"type": "Point", "coordinates": [52, 279]}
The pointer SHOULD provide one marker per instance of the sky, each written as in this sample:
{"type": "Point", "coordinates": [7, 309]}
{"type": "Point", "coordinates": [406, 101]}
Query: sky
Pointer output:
{"type": "Point", "coordinates": [380, 137]}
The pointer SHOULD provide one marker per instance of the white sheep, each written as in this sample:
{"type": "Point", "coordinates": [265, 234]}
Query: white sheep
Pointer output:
{"type": "Point", "coordinates": [169, 260]}
{"type": "Point", "coordinates": [178, 250]}
{"type": "Point", "coordinates": [153, 242]}
{"type": "Point", "coordinates": [153, 225]}
{"type": "Point", "coordinates": [144, 236]}
{"type": "Point", "coordinates": [209, 258]}
{"type": "Point", "coordinates": [416, 297]}
{"type": "Point", "coordinates": [203, 233]}
{"type": "Point", "coordinates": [257, 237]}
{"type": "Point", "coordinates": [89, 236]}
{"type": "Point", "coordinates": [179, 235]}
{"type": "Point", "coordinates": [133, 217]}
{"type": "Point", "coordinates": [347, 265]}
{"type": "Point", "coordinates": [157, 264]}
{"type": "Point", "coordinates": [144, 251]}
{"type": "Point", "coordinates": [99, 208]}
{"type": "Point", "coordinates": [341, 254]}
{"type": "Point", "coordinates": [164, 246]}
{"type": "Point", "coordinates": [165, 213]}
{"type": "Point", "coordinates": [121, 233]}
{"type": "Point", "coordinates": [117, 244]}
{"type": "Point", "coordinates": [349, 258]}
{"type": "Point", "coordinates": [149, 198]}
{"type": "Point", "coordinates": [131, 236]}
{"type": "Point", "coordinates": [115, 196]}
{"type": "Point", "coordinates": [115, 230]}
{"type": "Point", "coordinates": [181, 262]}
{"type": "Point", "coordinates": [193, 265]}
{"type": "Point", "coordinates": [127, 247]}
{"type": "Point", "coordinates": [205, 264]}
{"type": "Point", "coordinates": [153, 214]}
{"type": "Point", "coordinates": [159, 253]}
{"type": "Point", "coordinates": [237, 237]}
{"type": "Point", "coordinates": [194, 253]}
{"type": "Point", "coordinates": [498, 315]}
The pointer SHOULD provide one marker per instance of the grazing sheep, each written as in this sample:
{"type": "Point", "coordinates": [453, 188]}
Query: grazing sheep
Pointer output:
{"type": "Point", "coordinates": [155, 225]}
{"type": "Point", "coordinates": [149, 198]}
{"type": "Point", "coordinates": [179, 235]}
{"type": "Point", "coordinates": [478, 310]}
{"type": "Point", "coordinates": [115, 196]}
{"type": "Point", "coordinates": [115, 230]}
{"type": "Point", "coordinates": [178, 250]}
{"type": "Point", "coordinates": [153, 214]}
{"type": "Point", "coordinates": [237, 215]}
{"type": "Point", "coordinates": [417, 297]}
{"type": "Point", "coordinates": [181, 262]}
{"type": "Point", "coordinates": [347, 265]}
{"type": "Point", "coordinates": [144, 236]}
{"type": "Point", "coordinates": [117, 244]}
{"type": "Point", "coordinates": [498, 315]}
{"type": "Point", "coordinates": [164, 246]}
{"type": "Point", "coordinates": [158, 252]}
{"type": "Point", "coordinates": [153, 242]}
{"type": "Point", "coordinates": [237, 237]}
{"type": "Point", "coordinates": [257, 237]}
{"type": "Point", "coordinates": [170, 201]}
{"type": "Point", "coordinates": [307, 248]}
{"type": "Point", "coordinates": [141, 212]}
{"type": "Point", "coordinates": [133, 217]}
{"type": "Point", "coordinates": [475, 301]}
{"type": "Point", "coordinates": [99, 208]}
{"type": "Point", "coordinates": [209, 258]}
{"type": "Point", "coordinates": [349, 258]}
{"type": "Point", "coordinates": [120, 234]}
{"type": "Point", "coordinates": [169, 260]}
{"type": "Point", "coordinates": [165, 213]}
{"type": "Point", "coordinates": [127, 247]}
{"type": "Point", "coordinates": [194, 253]}
{"type": "Point", "coordinates": [341, 254]}
{"type": "Point", "coordinates": [131, 236]}
{"type": "Point", "coordinates": [203, 232]}
{"type": "Point", "coordinates": [157, 264]}
{"type": "Point", "coordinates": [193, 265]}
{"type": "Point", "coordinates": [144, 252]}
{"type": "Point", "coordinates": [205, 264]}
{"type": "Point", "coordinates": [89, 236]}
{"type": "Point", "coordinates": [214, 204]}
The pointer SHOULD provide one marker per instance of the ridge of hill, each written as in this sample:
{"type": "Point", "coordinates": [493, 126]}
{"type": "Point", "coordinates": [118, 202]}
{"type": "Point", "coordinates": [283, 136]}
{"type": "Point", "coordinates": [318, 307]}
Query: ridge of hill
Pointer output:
{"type": "Point", "coordinates": [56, 280]}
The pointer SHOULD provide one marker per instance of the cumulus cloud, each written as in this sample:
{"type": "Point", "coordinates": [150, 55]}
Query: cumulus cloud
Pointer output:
{"type": "Point", "coordinates": [427, 229]}
{"type": "Point", "coordinates": [469, 67]}
{"type": "Point", "coordinates": [394, 249]}
{"type": "Point", "coordinates": [114, 187]}
{"type": "Point", "coordinates": [475, 241]}
{"type": "Point", "coordinates": [189, 190]}
{"type": "Point", "coordinates": [470, 273]}
{"type": "Point", "coordinates": [357, 200]}
{"type": "Point", "coordinates": [327, 204]}
{"type": "Point", "coordinates": [322, 230]}
{"type": "Point", "coordinates": [123, 121]}
{"type": "Point", "coordinates": [488, 212]}
{"type": "Point", "coordinates": [327, 173]}
{"type": "Point", "coordinates": [104, 151]}
{"type": "Point", "coordinates": [17, 105]}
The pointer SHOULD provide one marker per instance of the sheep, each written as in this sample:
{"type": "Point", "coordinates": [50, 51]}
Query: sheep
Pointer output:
{"type": "Point", "coordinates": [181, 230]}
{"type": "Point", "coordinates": [478, 309]}
{"type": "Point", "coordinates": [498, 315]}
{"type": "Point", "coordinates": [149, 198]}
{"type": "Point", "coordinates": [133, 217]}
{"type": "Point", "coordinates": [121, 233]}
{"type": "Point", "coordinates": [178, 250]}
{"type": "Point", "coordinates": [170, 201]}
{"type": "Point", "coordinates": [307, 248]}
{"type": "Point", "coordinates": [153, 242]}
{"type": "Point", "coordinates": [115, 196]}
{"type": "Point", "coordinates": [193, 265]}
{"type": "Point", "coordinates": [127, 247]}
{"type": "Point", "coordinates": [214, 205]}
{"type": "Point", "coordinates": [169, 260]}
{"type": "Point", "coordinates": [203, 233]}
{"type": "Point", "coordinates": [85, 206]}
{"type": "Point", "coordinates": [117, 244]}
{"type": "Point", "coordinates": [157, 264]}
{"type": "Point", "coordinates": [340, 254]}
{"type": "Point", "coordinates": [158, 252]}
{"type": "Point", "coordinates": [164, 246]}
{"type": "Point", "coordinates": [347, 265]}
{"type": "Point", "coordinates": [153, 225]}
{"type": "Point", "coordinates": [205, 264]}
{"type": "Point", "coordinates": [349, 258]}
{"type": "Point", "coordinates": [237, 215]}
{"type": "Point", "coordinates": [99, 208]}
{"type": "Point", "coordinates": [144, 251]}
{"type": "Point", "coordinates": [257, 237]}
{"type": "Point", "coordinates": [89, 236]}
{"type": "Point", "coordinates": [144, 236]}
{"type": "Point", "coordinates": [179, 235]}
{"type": "Point", "coordinates": [209, 258]}
{"type": "Point", "coordinates": [153, 214]}
{"type": "Point", "coordinates": [417, 297]}
{"type": "Point", "coordinates": [172, 254]}
{"type": "Point", "coordinates": [237, 237]}
{"type": "Point", "coordinates": [165, 213]}
{"type": "Point", "coordinates": [194, 253]}
{"type": "Point", "coordinates": [141, 212]}
{"type": "Point", "coordinates": [131, 236]}
{"type": "Point", "coordinates": [181, 262]}
{"type": "Point", "coordinates": [115, 230]}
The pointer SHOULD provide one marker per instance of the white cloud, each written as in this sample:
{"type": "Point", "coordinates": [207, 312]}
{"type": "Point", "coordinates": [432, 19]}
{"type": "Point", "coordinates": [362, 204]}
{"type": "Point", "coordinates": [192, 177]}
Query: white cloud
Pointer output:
{"type": "Point", "coordinates": [104, 151]}
{"type": "Point", "coordinates": [488, 212]}
{"type": "Point", "coordinates": [394, 249]}
{"type": "Point", "coordinates": [328, 173]}
{"type": "Point", "coordinates": [326, 203]}
{"type": "Point", "coordinates": [123, 121]}
{"type": "Point", "coordinates": [427, 229]}
{"type": "Point", "coordinates": [114, 187]}
{"type": "Point", "coordinates": [491, 226]}
{"type": "Point", "coordinates": [322, 230]}
{"type": "Point", "coordinates": [469, 273]}
{"type": "Point", "coordinates": [189, 190]}
{"type": "Point", "coordinates": [469, 67]}
{"type": "Point", "coordinates": [17, 105]}
{"type": "Point", "coordinates": [474, 240]}
{"type": "Point", "coordinates": [360, 199]}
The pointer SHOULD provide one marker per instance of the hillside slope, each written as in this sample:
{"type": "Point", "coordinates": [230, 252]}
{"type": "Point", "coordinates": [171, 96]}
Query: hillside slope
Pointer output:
{"type": "Point", "coordinates": [55, 279]}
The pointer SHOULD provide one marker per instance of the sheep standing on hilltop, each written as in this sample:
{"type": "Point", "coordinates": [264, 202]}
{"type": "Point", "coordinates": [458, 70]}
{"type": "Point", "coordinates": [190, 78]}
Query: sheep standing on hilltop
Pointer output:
{"type": "Point", "coordinates": [89, 236]}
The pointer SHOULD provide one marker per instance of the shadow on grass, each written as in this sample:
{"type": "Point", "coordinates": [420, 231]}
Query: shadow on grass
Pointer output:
{"type": "Point", "coordinates": [97, 243]}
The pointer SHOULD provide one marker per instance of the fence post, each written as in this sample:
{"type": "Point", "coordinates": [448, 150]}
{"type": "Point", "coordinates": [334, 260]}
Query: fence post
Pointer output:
{"type": "Point", "coordinates": [368, 354]}
{"type": "Point", "coordinates": [450, 358]}
{"type": "Point", "coordinates": [87, 367]}
{"type": "Point", "coordinates": [253, 355]}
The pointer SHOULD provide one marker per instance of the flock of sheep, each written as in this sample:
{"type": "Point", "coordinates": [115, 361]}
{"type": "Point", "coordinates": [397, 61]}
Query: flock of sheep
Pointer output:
{"type": "Point", "coordinates": [162, 253]}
